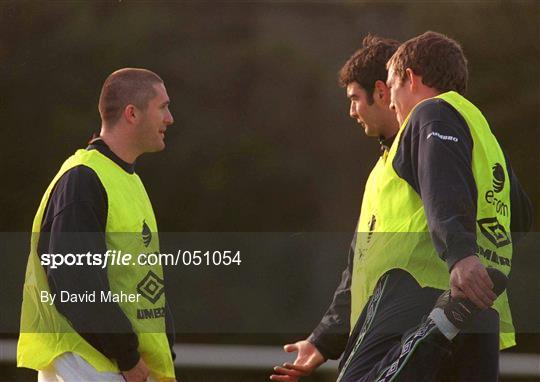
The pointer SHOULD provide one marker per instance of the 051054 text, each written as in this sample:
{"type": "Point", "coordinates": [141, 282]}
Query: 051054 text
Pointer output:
{"type": "Point", "coordinates": [193, 258]}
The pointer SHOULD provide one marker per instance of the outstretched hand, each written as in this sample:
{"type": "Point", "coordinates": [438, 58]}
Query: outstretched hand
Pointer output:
{"type": "Point", "coordinates": [307, 360]}
{"type": "Point", "coordinates": [470, 279]}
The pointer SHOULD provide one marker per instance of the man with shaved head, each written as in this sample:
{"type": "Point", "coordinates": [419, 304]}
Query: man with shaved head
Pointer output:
{"type": "Point", "coordinates": [72, 329]}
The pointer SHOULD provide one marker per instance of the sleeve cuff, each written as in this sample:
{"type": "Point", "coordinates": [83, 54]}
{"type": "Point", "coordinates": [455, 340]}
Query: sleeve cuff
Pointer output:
{"type": "Point", "coordinates": [128, 360]}
{"type": "Point", "coordinates": [454, 255]}
{"type": "Point", "coordinates": [325, 350]}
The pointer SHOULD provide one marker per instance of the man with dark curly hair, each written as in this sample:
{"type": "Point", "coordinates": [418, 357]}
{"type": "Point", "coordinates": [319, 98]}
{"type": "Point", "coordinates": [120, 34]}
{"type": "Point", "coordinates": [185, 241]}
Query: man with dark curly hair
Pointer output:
{"type": "Point", "coordinates": [364, 77]}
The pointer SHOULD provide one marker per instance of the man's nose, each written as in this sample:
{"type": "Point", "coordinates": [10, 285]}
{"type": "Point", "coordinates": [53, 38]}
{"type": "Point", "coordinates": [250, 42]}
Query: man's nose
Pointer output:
{"type": "Point", "coordinates": [352, 112]}
{"type": "Point", "coordinates": [169, 120]}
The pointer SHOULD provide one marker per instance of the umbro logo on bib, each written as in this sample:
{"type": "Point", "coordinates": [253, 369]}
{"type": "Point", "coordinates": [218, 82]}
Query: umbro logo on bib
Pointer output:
{"type": "Point", "coordinates": [494, 231]}
{"type": "Point", "coordinates": [151, 287]}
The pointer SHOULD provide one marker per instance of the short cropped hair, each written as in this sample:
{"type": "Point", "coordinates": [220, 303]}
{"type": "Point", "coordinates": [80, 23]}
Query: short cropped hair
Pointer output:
{"type": "Point", "coordinates": [438, 59]}
{"type": "Point", "coordinates": [128, 86]}
{"type": "Point", "coordinates": [368, 64]}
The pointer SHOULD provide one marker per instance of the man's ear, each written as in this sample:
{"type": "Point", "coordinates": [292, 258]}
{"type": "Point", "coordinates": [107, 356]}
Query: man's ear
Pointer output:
{"type": "Point", "coordinates": [415, 80]}
{"type": "Point", "coordinates": [130, 113]}
{"type": "Point", "coordinates": [381, 93]}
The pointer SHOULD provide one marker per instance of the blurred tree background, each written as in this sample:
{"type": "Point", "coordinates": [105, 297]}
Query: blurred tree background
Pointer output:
{"type": "Point", "coordinates": [262, 141]}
